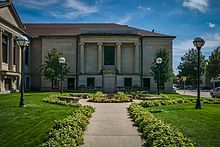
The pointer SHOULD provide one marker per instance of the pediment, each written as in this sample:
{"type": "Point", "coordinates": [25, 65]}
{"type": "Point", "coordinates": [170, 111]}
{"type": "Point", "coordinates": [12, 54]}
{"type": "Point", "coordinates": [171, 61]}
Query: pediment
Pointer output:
{"type": "Point", "coordinates": [109, 71]}
{"type": "Point", "coordinates": [9, 15]}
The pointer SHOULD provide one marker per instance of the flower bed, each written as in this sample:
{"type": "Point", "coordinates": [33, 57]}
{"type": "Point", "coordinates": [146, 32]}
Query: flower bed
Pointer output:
{"type": "Point", "coordinates": [156, 132]}
{"type": "Point", "coordinates": [119, 97]}
{"type": "Point", "coordinates": [69, 131]}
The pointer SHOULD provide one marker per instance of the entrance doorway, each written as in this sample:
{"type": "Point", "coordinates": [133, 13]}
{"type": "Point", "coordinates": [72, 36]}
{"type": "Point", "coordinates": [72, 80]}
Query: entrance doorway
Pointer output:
{"type": "Point", "coordinates": [8, 84]}
{"type": "Point", "coordinates": [109, 81]}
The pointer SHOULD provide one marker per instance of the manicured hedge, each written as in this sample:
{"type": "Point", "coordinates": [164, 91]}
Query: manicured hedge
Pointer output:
{"type": "Point", "coordinates": [69, 131]}
{"type": "Point", "coordinates": [156, 132]}
{"type": "Point", "coordinates": [153, 103]}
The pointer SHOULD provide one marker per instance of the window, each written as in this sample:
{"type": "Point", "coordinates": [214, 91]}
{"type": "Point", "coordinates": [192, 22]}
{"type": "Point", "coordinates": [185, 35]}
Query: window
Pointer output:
{"type": "Point", "coordinates": [26, 55]}
{"type": "Point", "coordinates": [5, 48]}
{"type": "Point", "coordinates": [109, 55]}
{"type": "Point", "coordinates": [146, 83]}
{"type": "Point", "coordinates": [27, 83]}
{"type": "Point", "coordinates": [128, 82]}
{"type": "Point", "coordinates": [70, 83]}
{"type": "Point", "coordinates": [90, 82]}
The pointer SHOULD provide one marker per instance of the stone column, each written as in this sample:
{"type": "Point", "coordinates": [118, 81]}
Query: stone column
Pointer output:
{"type": "Point", "coordinates": [18, 66]}
{"type": "Point", "coordinates": [11, 52]}
{"type": "Point", "coordinates": [82, 46]}
{"type": "Point", "coordinates": [100, 44]}
{"type": "Point", "coordinates": [1, 48]}
{"type": "Point", "coordinates": [136, 58]}
{"type": "Point", "coordinates": [118, 44]}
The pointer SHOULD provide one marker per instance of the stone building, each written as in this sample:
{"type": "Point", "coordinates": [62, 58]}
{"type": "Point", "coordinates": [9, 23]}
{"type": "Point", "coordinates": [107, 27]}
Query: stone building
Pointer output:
{"type": "Point", "coordinates": [106, 56]}
{"type": "Point", "coordinates": [10, 54]}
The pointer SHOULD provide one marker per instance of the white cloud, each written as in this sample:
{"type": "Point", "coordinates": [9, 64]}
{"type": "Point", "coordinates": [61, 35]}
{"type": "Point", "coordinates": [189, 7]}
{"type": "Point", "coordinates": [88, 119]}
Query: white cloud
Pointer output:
{"type": "Point", "coordinates": [75, 8]}
{"type": "Point", "coordinates": [70, 8]}
{"type": "Point", "coordinates": [199, 5]}
{"type": "Point", "coordinates": [211, 25]}
{"type": "Point", "coordinates": [125, 19]}
{"type": "Point", "coordinates": [144, 8]}
{"type": "Point", "coordinates": [35, 4]}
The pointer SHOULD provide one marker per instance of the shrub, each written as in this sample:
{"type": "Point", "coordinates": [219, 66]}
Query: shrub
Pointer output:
{"type": "Point", "coordinates": [153, 103]}
{"type": "Point", "coordinates": [156, 132]}
{"type": "Point", "coordinates": [68, 131]}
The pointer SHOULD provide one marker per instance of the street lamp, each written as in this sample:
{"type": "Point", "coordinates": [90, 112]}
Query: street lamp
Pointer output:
{"type": "Point", "coordinates": [23, 42]}
{"type": "Point", "coordinates": [198, 43]}
{"type": "Point", "coordinates": [62, 61]}
{"type": "Point", "coordinates": [158, 61]}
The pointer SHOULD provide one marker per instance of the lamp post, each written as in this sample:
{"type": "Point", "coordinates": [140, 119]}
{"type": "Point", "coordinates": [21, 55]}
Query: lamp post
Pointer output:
{"type": "Point", "coordinates": [158, 61]}
{"type": "Point", "coordinates": [198, 43]}
{"type": "Point", "coordinates": [62, 61]}
{"type": "Point", "coordinates": [23, 42]}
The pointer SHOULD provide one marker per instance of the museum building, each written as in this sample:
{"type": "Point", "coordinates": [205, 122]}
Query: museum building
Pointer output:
{"type": "Point", "coordinates": [105, 56]}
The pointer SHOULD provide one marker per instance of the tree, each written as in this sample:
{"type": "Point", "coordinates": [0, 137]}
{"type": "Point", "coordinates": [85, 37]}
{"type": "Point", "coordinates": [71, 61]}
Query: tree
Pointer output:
{"type": "Point", "coordinates": [51, 68]}
{"type": "Point", "coordinates": [213, 67]}
{"type": "Point", "coordinates": [188, 66]}
{"type": "Point", "coordinates": [165, 68]}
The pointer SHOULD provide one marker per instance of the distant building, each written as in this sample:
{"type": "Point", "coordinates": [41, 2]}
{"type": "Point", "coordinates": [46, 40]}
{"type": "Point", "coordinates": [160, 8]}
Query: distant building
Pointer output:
{"type": "Point", "coordinates": [105, 56]}
{"type": "Point", "coordinates": [215, 82]}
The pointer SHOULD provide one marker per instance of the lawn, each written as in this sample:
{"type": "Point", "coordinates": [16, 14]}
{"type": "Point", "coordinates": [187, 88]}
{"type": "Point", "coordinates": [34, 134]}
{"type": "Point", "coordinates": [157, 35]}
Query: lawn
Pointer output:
{"type": "Point", "coordinates": [30, 125]}
{"type": "Point", "coordinates": [201, 126]}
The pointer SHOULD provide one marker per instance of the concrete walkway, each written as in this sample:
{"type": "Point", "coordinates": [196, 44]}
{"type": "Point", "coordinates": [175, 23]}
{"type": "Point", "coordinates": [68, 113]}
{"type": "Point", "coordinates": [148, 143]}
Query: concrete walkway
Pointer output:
{"type": "Point", "coordinates": [110, 126]}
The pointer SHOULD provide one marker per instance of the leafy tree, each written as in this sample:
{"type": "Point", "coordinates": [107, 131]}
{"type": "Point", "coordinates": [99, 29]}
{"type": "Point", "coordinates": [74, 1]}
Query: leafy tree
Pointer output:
{"type": "Point", "coordinates": [188, 66]}
{"type": "Point", "coordinates": [165, 68]}
{"type": "Point", "coordinates": [51, 68]}
{"type": "Point", "coordinates": [213, 67]}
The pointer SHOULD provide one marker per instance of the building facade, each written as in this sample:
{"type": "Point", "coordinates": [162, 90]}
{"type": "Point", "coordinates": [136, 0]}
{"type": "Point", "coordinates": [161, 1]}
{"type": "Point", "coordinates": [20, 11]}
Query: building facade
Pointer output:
{"type": "Point", "coordinates": [10, 53]}
{"type": "Point", "coordinates": [104, 56]}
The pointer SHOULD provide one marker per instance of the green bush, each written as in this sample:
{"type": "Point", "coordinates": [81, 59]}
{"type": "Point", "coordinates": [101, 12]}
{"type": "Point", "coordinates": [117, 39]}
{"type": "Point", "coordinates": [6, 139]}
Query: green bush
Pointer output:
{"type": "Point", "coordinates": [68, 131]}
{"type": "Point", "coordinates": [156, 132]}
{"type": "Point", "coordinates": [153, 103]}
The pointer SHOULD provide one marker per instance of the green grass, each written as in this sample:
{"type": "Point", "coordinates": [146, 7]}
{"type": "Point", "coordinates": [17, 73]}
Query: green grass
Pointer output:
{"type": "Point", "coordinates": [30, 125]}
{"type": "Point", "coordinates": [201, 126]}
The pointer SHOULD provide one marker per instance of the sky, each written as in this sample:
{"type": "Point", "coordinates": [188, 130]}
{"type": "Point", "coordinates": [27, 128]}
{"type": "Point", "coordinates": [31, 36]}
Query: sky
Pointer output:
{"type": "Point", "coordinates": [185, 19]}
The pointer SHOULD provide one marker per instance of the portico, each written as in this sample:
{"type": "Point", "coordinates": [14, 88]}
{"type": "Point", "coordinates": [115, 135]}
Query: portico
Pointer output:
{"type": "Point", "coordinates": [107, 60]}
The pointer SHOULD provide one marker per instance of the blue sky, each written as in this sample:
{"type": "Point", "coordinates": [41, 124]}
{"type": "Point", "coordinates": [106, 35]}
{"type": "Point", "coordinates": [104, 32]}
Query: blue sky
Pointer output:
{"type": "Point", "coordinates": [185, 19]}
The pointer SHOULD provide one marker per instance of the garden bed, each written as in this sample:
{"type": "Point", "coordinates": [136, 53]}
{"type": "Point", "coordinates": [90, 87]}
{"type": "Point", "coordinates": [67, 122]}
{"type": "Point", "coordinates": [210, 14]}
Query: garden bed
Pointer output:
{"type": "Point", "coordinates": [119, 97]}
{"type": "Point", "coordinates": [68, 131]}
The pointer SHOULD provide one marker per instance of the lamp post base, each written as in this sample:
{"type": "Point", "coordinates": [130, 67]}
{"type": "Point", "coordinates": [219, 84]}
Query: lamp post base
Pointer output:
{"type": "Point", "coordinates": [22, 105]}
{"type": "Point", "coordinates": [198, 107]}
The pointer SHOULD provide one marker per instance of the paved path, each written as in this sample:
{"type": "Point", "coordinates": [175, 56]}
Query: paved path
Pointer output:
{"type": "Point", "coordinates": [194, 92]}
{"type": "Point", "coordinates": [110, 126]}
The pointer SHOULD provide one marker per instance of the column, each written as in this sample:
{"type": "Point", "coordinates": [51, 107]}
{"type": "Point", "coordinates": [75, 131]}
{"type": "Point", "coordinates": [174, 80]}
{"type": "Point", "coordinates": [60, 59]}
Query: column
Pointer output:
{"type": "Point", "coordinates": [136, 58]}
{"type": "Point", "coordinates": [82, 57]}
{"type": "Point", "coordinates": [11, 52]}
{"type": "Point", "coordinates": [18, 66]}
{"type": "Point", "coordinates": [1, 48]}
{"type": "Point", "coordinates": [100, 44]}
{"type": "Point", "coordinates": [118, 44]}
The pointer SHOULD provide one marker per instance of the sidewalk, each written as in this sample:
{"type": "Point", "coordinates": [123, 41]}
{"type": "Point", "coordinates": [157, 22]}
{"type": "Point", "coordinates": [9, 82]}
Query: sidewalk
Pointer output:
{"type": "Point", "coordinates": [110, 126]}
